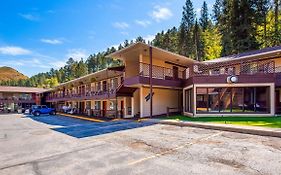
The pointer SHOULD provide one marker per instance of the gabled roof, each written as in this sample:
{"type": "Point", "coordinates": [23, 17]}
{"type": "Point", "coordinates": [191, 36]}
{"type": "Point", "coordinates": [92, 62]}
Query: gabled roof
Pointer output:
{"type": "Point", "coordinates": [119, 54]}
{"type": "Point", "coordinates": [21, 89]}
{"type": "Point", "coordinates": [270, 51]}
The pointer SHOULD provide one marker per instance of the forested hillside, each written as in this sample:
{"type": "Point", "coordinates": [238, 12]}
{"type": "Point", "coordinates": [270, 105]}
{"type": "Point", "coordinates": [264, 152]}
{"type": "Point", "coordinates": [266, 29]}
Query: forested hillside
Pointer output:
{"type": "Point", "coordinates": [8, 73]}
{"type": "Point", "coordinates": [232, 27]}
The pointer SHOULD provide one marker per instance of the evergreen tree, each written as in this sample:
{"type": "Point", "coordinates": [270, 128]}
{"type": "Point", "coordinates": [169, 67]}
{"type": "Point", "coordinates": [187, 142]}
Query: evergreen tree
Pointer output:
{"type": "Point", "coordinates": [198, 42]}
{"type": "Point", "coordinates": [262, 9]}
{"type": "Point", "coordinates": [186, 42]}
{"type": "Point", "coordinates": [204, 19]}
{"type": "Point", "coordinates": [140, 39]}
{"type": "Point", "coordinates": [217, 11]}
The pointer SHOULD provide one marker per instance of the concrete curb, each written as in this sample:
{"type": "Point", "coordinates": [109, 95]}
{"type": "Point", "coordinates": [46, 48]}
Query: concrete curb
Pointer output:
{"type": "Point", "coordinates": [228, 127]}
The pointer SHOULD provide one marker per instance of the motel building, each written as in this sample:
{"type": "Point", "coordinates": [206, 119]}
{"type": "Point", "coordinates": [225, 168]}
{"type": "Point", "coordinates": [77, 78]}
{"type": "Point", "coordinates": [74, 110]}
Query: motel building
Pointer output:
{"type": "Point", "coordinates": [154, 82]}
{"type": "Point", "coordinates": [13, 99]}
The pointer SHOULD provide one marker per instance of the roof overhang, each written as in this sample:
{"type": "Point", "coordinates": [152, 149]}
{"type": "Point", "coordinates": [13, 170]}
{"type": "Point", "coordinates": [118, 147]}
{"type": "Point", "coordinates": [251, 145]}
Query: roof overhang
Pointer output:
{"type": "Point", "coordinates": [266, 53]}
{"type": "Point", "coordinates": [142, 48]}
{"type": "Point", "coordinates": [21, 89]}
{"type": "Point", "coordinates": [96, 76]}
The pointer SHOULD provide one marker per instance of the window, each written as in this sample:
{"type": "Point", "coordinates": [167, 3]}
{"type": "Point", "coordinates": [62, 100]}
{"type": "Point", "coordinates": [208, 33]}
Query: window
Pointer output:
{"type": "Point", "coordinates": [237, 99]}
{"type": "Point", "coordinates": [201, 99]}
{"type": "Point", "coordinates": [88, 105]}
{"type": "Point", "coordinates": [249, 100]}
{"type": "Point", "coordinates": [225, 99]}
{"type": "Point", "coordinates": [213, 94]}
{"type": "Point", "coordinates": [97, 105]}
{"type": "Point", "coordinates": [262, 99]}
{"type": "Point", "coordinates": [112, 105]}
{"type": "Point", "coordinates": [188, 101]}
{"type": "Point", "coordinates": [44, 107]}
{"type": "Point", "coordinates": [233, 100]}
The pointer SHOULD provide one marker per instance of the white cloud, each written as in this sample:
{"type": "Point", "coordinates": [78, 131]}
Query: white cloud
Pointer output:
{"type": "Point", "coordinates": [161, 13]}
{"type": "Point", "coordinates": [125, 33]}
{"type": "Point", "coordinates": [121, 25]}
{"type": "Point", "coordinates": [29, 16]}
{"type": "Point", "coordinates": [14, 50]}
{"type": "Point", "coordinates": [51, 41]}
{"type": "Point", "coordinates": [77, 54]}
{"type": "Point", "coordinates": [143, 23]}
{"type": "Point", "coordinates": [149, 38]}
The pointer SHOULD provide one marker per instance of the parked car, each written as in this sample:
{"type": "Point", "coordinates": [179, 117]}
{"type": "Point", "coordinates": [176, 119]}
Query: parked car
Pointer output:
{"type": "Point", "coordinates": [37, 110]}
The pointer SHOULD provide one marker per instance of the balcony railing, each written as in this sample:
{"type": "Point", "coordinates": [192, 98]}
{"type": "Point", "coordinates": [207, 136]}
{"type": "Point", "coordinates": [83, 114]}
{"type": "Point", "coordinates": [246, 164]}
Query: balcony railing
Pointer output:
{"type": "Point", "coordinates": [245, 68]}
{"type": "Point", "coordinates": [159, 72]}
{"type": "Point", "coordinates": [88, 94]}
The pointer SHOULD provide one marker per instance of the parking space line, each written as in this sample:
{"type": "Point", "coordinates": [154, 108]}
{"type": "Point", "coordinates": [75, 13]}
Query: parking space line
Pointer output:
{"type": "Point", "coordinates": [174, 149]}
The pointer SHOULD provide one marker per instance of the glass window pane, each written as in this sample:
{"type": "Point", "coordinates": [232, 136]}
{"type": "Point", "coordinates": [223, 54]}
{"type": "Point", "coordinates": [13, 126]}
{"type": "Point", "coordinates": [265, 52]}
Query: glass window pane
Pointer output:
{"type": "Point", "coordinates": [262, 99]}
{"type": "Point", "coordinates": [213, 99]}
{"type": "Point", "coordinates": [249, 99]}
{"type": "Point", "coordinates": [225, 100]}
{"type": "Point", "coordinates": [188, 101]}
{"type": "Point", "coordinates": [201, 100]}
{"type": "Point", "coordinates": [237, 100]}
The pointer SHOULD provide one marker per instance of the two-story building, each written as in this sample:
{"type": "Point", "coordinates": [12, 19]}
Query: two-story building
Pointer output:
{"type": "Point", "coordinates": [14, 98]}
{"type": "Point", "coordinates": [154, 81]}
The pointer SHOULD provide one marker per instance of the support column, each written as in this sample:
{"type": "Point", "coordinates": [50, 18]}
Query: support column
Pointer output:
{"type": "Point", "coordinates": [150, 81]}
{"type": "Point", "coordinates": [272, 101]}
{"type": "Point", "coordinates": [132, 106]}
{"type": "Point", "coordinates": [194, 101]}
{"type": "Point", "coordinates": [141, 102]}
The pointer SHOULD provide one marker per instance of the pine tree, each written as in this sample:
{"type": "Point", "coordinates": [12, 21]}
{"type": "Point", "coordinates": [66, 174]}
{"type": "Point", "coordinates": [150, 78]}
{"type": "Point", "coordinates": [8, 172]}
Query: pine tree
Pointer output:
{"type": "Point", "coordinates": [217, 11]}
{"type": "Point", "coordinates": [204, 19]}
{"type": "Point", "coordinates": [140, 39]}
{"type": "Point", "coordinates": [197, 42]}
{"type": "Point", "coordinates": [277, 32]}
{"type": "Point", "coordinates": [186, 43]}
{"type": "Point", "coordinates": [262, 9]}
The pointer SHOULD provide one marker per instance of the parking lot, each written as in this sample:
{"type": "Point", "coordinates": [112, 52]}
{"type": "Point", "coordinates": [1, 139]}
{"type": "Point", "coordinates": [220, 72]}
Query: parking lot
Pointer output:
{"type": "Point", "coordinates": [61, 145]}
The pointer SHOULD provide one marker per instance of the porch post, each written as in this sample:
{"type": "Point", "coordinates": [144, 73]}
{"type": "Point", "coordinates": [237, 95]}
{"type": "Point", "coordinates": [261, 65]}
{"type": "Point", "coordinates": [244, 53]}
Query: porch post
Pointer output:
{"type": "Point", "coordinates": [132, 106]}
{"type": "Point", "coordinates": [150, 79]}
{"type": "Point", "coordinates": [116, 107]}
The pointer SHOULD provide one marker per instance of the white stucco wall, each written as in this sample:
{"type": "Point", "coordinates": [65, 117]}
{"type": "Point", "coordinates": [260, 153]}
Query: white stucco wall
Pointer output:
{"type": "Point", "coordinates": [162, 99]}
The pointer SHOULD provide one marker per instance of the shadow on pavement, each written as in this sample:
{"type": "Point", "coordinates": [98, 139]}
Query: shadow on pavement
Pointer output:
{"type": "Point", "coordinates": [82, 128]}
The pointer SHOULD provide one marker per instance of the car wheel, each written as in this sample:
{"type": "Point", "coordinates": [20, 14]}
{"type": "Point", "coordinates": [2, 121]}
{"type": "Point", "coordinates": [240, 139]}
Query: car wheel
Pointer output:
{"type": "Point", "coordinates": [37, 113]}
{"type": "Point", "coordinates": [52, 113]}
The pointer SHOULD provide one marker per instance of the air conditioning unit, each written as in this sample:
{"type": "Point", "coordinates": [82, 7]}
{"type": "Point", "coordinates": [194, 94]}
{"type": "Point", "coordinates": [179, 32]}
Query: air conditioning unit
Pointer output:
{"type": "Point", "coordinates": [232, 79]}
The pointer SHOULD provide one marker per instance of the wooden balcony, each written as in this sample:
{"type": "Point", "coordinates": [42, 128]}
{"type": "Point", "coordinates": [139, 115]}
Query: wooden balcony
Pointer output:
{"type": "Point", "coordinates": [16, 100]}
{"type": "Point", "coordinates": [161, 76]}
{"type": "Point", "coordinates": [247, 72]}
{"type": "Point", "coordinates": [91, 95]}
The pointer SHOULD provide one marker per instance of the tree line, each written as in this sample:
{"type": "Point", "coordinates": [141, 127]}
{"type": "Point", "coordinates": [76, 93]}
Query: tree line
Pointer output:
{"type": "Point", "coordinates": [232, 27]}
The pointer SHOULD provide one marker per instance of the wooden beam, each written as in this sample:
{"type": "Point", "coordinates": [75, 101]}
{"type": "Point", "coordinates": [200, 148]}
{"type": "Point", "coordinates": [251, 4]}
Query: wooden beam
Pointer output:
{"type": "Point", "coordinates": [175, 64]}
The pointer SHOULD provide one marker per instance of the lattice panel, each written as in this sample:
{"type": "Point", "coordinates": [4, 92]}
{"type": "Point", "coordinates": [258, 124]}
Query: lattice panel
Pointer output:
{"type": "Point", "coordinates": [159, 72]}
{"type": "Point", "coordinates": [233, 69]}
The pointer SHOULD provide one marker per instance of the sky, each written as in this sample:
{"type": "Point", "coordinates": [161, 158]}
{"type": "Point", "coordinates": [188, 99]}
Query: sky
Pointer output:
{"type": "Point", "coordinates": [37, 35]}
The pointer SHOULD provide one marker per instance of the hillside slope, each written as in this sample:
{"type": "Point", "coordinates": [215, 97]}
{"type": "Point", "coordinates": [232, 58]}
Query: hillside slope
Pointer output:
{"type": "Point", "coordinates": [8, 73]}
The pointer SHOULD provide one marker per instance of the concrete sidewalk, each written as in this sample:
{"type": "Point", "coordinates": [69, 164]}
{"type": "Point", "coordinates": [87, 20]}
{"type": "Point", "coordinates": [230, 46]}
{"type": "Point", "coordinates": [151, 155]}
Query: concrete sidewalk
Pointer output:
{"type": "Point", "coordinates": [272, 132]}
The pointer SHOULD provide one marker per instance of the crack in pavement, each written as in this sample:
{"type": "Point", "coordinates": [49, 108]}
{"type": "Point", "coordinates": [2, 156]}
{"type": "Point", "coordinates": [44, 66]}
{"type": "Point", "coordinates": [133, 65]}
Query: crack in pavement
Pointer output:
{"type": "Point", "coordinates": [174, 149]}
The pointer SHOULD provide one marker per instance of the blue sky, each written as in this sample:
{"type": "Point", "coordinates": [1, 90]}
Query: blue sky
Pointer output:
{"type": "Point", "coordinates": [37, 35]}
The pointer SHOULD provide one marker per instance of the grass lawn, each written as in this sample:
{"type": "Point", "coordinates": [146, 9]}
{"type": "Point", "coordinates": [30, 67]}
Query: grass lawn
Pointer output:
{"type": "Point", "coordinates": [271, 122]}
